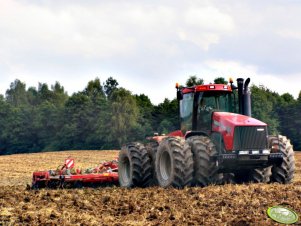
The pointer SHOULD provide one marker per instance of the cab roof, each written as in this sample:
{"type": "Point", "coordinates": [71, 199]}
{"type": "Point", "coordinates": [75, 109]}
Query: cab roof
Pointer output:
{"type": "Point", "coordinates": [207, 88]}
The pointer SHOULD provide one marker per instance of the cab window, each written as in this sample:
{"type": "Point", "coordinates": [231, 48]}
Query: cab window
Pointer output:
{"type": "Point", "coordinates": [209, 102]}
{"type": "Point", "coordinates": [186, 109]}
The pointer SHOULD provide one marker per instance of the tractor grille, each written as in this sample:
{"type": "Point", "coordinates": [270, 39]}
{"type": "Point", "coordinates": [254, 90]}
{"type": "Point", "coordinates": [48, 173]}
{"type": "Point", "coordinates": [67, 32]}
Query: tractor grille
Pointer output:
{"type": "Point", "coordinates": [250, 137]}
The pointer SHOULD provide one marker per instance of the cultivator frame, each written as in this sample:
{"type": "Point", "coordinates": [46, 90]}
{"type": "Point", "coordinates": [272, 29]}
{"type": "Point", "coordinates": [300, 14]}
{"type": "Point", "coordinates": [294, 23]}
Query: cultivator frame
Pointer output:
{"type": "Point", "coordinates": [69, 177]}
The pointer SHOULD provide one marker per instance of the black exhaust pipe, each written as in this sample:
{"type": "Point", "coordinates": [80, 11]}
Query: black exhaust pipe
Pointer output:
{"type": "Point", "coordinates": [247, 99]}
{"type": "Point", "coordinates": [244, 97]}
{"type": "Point", "coordinates": [240, 83]}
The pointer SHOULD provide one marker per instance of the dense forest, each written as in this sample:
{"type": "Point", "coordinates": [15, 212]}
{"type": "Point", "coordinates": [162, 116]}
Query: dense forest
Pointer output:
{"type": "Point", "coordinates": [104, 116]}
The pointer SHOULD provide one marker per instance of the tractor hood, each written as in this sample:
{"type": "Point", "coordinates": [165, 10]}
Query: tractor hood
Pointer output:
{"type": "Point", "coordinates": [225, 123]}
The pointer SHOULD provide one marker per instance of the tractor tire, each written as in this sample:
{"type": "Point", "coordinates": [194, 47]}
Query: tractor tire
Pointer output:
{"type": "Point", "coordinates": [227, 178]}
{"type": "Point", "coordinates": [152, 150]}
{"type": "Point", "coordinates": [283, 173]}
{"type": "Point", "coordinates": [260, 175]}
{"type": "Point", "coordinates": [205, 169]}
{"type": "Point", "coordinates": [174, 163]}
{"type": "Point", "coordinates": [134, 166]}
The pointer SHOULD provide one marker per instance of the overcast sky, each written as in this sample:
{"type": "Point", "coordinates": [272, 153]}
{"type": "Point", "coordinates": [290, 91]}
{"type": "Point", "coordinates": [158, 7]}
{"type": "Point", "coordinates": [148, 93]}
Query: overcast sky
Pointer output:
{"type": "Point", "coordinates": [148, 46]}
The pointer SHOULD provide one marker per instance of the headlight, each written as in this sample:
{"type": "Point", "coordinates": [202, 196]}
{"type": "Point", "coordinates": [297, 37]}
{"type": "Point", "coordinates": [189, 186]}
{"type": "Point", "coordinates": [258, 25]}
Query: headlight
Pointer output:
{"type": "Point", "coordinates": [266, 152]}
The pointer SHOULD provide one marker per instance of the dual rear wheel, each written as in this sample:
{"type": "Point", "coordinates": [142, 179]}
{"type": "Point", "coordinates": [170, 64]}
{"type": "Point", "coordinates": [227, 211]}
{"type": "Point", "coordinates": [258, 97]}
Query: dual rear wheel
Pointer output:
{"type": "Point", "coordinates": [173, 163]}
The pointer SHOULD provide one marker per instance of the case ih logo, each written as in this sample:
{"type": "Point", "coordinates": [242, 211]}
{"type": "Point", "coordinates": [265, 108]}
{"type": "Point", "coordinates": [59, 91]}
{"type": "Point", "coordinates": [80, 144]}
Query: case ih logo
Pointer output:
{"type": "Point", "coordinates": [282, 215]}
{"type": "Point", "coordinates": [69, 163]}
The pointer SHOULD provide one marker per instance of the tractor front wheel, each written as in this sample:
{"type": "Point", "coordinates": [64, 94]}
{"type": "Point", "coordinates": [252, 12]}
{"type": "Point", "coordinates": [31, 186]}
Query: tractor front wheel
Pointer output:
{"type": "Point", "coordinates": [283, 173]}
{"type": "Point", "coordinates": [205, 167]}
{"type": "Point", "coordinates": [260, 175]}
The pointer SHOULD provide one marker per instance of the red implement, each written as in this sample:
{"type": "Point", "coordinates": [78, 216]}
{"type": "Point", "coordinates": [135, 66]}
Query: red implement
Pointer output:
{"type": "Point", "coordinates": [106, 173]}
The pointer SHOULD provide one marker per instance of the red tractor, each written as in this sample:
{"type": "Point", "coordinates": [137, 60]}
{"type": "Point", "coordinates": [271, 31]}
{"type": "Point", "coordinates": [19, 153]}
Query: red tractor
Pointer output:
{"type": "Point", "coordinates": [218, 142]}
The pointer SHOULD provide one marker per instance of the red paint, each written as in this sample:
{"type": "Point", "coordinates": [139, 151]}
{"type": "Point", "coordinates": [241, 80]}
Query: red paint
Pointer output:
{"type": "Point", "coordinates": [105, 172]}
{"type": "Point", "coordinates": [207, 88]}
{"type": "Point", "coordinates": [225, 123]}
{"type": "Point", "coordinates": [177, 133]}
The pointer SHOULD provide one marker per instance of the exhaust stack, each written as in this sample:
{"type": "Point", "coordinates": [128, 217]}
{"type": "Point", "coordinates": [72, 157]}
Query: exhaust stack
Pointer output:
{"type": "Point", "coordinates": [244, 97]}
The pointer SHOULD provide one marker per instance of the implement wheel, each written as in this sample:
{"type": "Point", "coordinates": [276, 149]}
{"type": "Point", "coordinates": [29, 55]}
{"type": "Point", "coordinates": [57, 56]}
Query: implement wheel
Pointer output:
{"type": "Point", "coordinates": [174, 163]}
{"type": "Point", "coordinates": [134, 166]}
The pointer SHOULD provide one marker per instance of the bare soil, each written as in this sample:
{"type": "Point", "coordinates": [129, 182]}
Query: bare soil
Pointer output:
{"type": "Point", "coordinates": [244, 204]}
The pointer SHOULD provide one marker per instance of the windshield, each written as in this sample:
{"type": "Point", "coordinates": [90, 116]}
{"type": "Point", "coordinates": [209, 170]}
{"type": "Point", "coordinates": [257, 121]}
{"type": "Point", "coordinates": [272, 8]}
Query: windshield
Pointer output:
{"type": "Point", "coordinates": [196, 109]}
{"type": "Point", "coordinates": [209, 102]}
{"type": "Point", "coordinates": [216, 101]}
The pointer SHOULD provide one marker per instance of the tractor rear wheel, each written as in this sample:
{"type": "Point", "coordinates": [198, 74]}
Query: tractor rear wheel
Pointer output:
{"type": "Point", "coordinates": [205, 167]}
{"type": "Point", "coordinates": [134, 166]}
{"type": "Point", "coordinates": [174, 163]}
{"type": "Point", "coordinates": [283, 173]}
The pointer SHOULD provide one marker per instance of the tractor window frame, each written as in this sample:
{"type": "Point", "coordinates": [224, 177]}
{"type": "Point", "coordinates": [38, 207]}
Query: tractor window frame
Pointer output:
{"type": "Point", "coordinates": [186, 112]}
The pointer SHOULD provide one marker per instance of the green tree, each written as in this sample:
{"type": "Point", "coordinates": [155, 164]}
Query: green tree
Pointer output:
{"type": "Point", "coordinates": [105, 116]}
{"type": "Point", "coordinates": [263, 107]}
{"type": "Point", "coordinates": [59, 95]}
{"type": "Point", "coordinates": [287, 99]}
{"type": "Point", "coordinates": [288, 110]}
{"type": "Point", "coordinates": [77, 115]}
{"type": "Point", "coordinates": [220, 80]}
{"type": "Point", "coordinates": [110, 86]}
{"type": "Point", "coordinates": [146, 109]}
{"type": "Point", "coordinates": [44, 93]}
{"type": "Point", "coordinates": [16, 94]}
{"type": "Point", "coordinates": [32, 96]}
{"type": "Point", "coordinates": [6, 119]}
{"type": "Point", "coordinates": [94, 88]}
{"type": "Point", "coordinates": [166, 116]}
{"type": "Point", "coordinates": [124, 116]}
{"type": "Point", "coordinates": [193, 80]}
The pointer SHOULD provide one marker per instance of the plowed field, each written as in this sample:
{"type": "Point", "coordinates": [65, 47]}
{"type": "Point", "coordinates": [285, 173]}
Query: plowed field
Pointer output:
{"type": "Point", "coordinates": [214, 205]}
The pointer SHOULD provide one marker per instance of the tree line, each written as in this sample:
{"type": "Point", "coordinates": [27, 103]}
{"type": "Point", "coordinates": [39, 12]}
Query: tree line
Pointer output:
{"type": "Point", "coordinates": [105, 116]}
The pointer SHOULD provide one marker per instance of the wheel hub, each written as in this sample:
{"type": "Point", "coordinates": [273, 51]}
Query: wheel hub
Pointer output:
{"type": "Point", "coordinates": [165, 165]}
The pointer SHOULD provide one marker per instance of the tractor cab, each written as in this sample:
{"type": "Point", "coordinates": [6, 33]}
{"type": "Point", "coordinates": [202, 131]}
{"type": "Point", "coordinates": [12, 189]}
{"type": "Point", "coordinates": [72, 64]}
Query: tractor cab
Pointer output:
{"type": "Point", "coordinates": [198, 103]}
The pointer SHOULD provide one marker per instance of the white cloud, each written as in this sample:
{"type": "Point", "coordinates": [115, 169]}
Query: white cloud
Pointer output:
{"type": "Point", "coordinates": [290, 34]}
{"type": "Point", "coordinates": [148, 46]}
{"type": "Point", "coordinates": [238, 70]}
{"type": "Point", "coordinates": [204, 26]}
